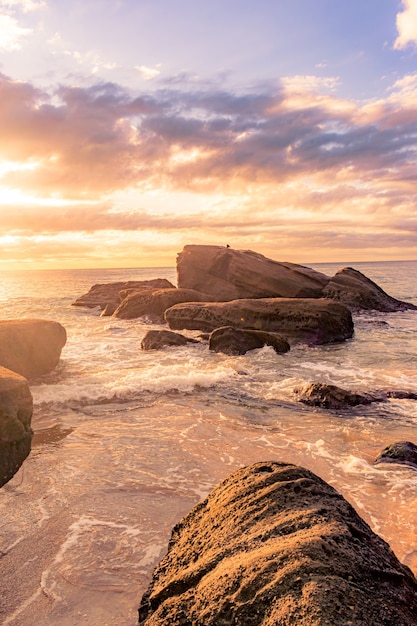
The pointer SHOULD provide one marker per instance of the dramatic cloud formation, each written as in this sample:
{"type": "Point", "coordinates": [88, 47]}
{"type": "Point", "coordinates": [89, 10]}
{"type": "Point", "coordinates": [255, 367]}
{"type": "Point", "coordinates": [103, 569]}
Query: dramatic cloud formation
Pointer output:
{"type": "Point", "coordinates": [407, 25]}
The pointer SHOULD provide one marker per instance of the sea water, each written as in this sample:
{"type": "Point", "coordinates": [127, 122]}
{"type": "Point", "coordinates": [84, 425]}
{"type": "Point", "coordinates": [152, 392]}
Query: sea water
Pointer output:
{"type": "Point", "coordinates": [127, 442]}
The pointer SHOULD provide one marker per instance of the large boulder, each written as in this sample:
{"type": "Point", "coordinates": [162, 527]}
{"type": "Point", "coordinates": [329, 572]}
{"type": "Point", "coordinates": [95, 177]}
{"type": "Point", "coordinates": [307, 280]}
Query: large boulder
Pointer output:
{"type": "Point", "coordinates": [358, 292]}
{"type": "Point", "coordinates": [157, 339]}
{"type": "Point", "coordinates": [235, 341]}
{"type": "Point", "coordinates": [31, 347]}
{"type": "Point", "coordinates": [297, 319]}
{"type": "Point", "coordinates": [108, 293]}
{"type": "Point", "coordinates": [275, 544]}
{"type": "Point", "coordinates": [229, 274]}
{"type": "Point", "coordinates": [153, 303]}
{"type": "Point", "coordinates": [329, 396]}
{"type": "Point", "coordinates": [15, 416]}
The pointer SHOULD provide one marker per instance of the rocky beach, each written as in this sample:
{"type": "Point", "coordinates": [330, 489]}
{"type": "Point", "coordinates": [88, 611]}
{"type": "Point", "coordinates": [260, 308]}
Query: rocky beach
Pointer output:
{"type": "Point", "coordinates": [232, 360]}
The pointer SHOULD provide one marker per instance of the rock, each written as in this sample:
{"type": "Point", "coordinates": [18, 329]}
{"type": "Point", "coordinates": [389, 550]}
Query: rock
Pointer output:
{"type": "Point", "coordinates": [228, 274]}
{"type": "Point", "coordinates": [238, 341]}
{"type": "Point", "coordinates": [272, 545]}
{"type": "Point", "coordinates": [109, 309]}
{"type": "Point", "coordinates": [297, 319]}
{"type": "Point", "coordinates": [31, 347]}
{"type": "Point", "coordinates": [330, 396]}
{"type": "Point", "coordinates": [157, 339]}
{"type": "Point", "coordinates": [154, 302]}
{"type": "Point", "coordinates": [358, 292]}
{"type": "Point", "coordinates": [403, 452]}
{"type": "Point", "coordinates": [15, 416]}
{"type": "Point", "coordinates": [103, 294]}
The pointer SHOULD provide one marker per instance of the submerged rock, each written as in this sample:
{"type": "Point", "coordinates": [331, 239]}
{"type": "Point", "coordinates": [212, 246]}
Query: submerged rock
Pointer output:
{"type": "Point", "coordinates": [105, 293]}
{"type": "Point", "coordinates": [239, 341]}
{"type": "Point", "coordinates": [298, 319]}
{"type": "Point", "coordinates": [403, 452]}
{"type": "Point", "coordinates": [31, 347]}
{"type": "Point", "coordinates": [157, 339]}
{"type": "Point", "coordinates": [330, 396]}
{"type": "Point", "coordinates": [16, 406]}
{"type": "Point", "coordinates": [228, 274]}
{"type": "Point", "coordinates": [154, 302]}
{"type": "Point", "coordinates": [358, 292]}
{"type": "Point", "coordinates": [274, 544]}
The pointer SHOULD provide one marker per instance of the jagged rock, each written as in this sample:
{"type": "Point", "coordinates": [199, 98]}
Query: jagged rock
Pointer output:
{"type": "Point", "coordinates": [109, 309]}
{"type": "Point", "coordinates": [157, 339]}
{"type": "Point", "coordinates": [15, 417]}
{"type": "Point", "coordinates": [154, 302]}
{"type": "Point", "coordinates": [330, 396]}
{"type": "Point", "coordinates": [103, 294]}
{"type": "Point", "coordinates": [275, 544]}
{"type": "Point", "coordinates": [358, 292]}
{"type": "Point", "coordinates": [298, 319]}
{"type": "Point", "coordinates": [403, 452]}
{"type": "Point", "coordinates": [238, 341]}
{"type": "Point", "coordinates": [31, 347]}
{"type": "Point", "coordinates": [228, 274]}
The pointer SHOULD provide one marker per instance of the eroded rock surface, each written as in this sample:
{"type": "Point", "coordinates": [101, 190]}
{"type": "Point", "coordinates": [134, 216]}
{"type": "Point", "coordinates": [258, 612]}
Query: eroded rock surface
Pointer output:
{"type": "Point", "coordinates": [153, 303]}
{"type": "Point", "coordinates": [234, 341]}
{"type": "Point", "coordinates": [403, 452]}
{"type": "Point", "coordinates": [228, 274]}
{"type": "Point", "coordinates": [275, 545]}
{"type": "Point", "coordinates": [108, 293]}
{"type": "Point", "coordinates": [157, 339]}
{"type": "Point", "coordinates": [15, 417]}
{"type": "Point", "coordinates": [297, 319]}
{"type": "Point", "coordinates": [31, 347]}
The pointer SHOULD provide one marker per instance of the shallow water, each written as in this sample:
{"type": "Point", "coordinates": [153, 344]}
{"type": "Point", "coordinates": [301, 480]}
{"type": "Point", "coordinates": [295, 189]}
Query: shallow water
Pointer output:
{"type": "Point", "coordinates": [126, 442]}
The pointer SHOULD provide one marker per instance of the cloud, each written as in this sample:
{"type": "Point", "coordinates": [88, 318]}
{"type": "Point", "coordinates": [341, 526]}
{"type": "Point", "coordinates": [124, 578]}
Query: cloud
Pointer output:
{"type": "Point", "coordinates": [407, 25]}
{"type": "Point", "coordinates": [24, 5]}
{"type": "Point", "coordinates": [148, 73]}
{"type": "Point", "coordinates": [11, 33]}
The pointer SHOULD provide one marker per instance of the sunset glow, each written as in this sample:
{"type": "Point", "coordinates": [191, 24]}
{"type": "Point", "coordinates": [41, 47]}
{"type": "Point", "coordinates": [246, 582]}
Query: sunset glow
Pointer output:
{"type": "Point", "coordinates": [117, 151]}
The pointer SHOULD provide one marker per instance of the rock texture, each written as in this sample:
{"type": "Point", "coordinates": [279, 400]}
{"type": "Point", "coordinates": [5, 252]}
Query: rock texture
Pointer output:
{"type": "Point", "coordinates": [235, 341]}
{"type": "Point", "coordinates": [358, 292]}
{"type": "Point", "coordinates": [153, 303]}
{"type": "Point", "coordinates": [403, 452]}
{"type": "Point", "coordinates": [108, 293]}
{"type": "Point", "coordinates": [157, 339]}
{"type": "Point", "coordinates": [15, 417]}
{"type": "Point", "coordinates": [276, 545]}
{"type": "Point", "coordinates": [297, 319]}
{"type": "Point", "coordinates": [228, 274]}
{"type": "Point", "coordinates": [31, 347]}
{"type": "Point", "coordinates": [330, 396]}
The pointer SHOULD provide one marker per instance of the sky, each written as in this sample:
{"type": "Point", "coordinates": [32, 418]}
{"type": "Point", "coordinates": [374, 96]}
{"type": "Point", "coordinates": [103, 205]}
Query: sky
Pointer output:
{"type": "Point", "coordinates": [130, 128]}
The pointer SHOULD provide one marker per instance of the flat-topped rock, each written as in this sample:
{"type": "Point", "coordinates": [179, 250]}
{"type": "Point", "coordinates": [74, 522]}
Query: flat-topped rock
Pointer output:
{"type": "Point", "coordinates": [274, 544]}
{"type": "Point", "coordinates": [297, 319]}
{"type": "Point", "coordinates": [331, 396]}
{"type": "Point", "coordinates": [153, 303]}
{"type": "Point", "coordinates": [16, 406]}
{"type": "Point", "coordinates": [31, 347]}
{"type": "Point", "coordinates": [358, 292]}
{"type": "Point", "coordinates": [228, 274]}
{"type": "Point", "coordinates": [108, 293]}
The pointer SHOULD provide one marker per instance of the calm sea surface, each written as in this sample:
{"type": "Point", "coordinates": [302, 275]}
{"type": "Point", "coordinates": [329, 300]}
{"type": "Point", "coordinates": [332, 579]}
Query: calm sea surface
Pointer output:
{"type": "Point", "coordinates": [126, 441]}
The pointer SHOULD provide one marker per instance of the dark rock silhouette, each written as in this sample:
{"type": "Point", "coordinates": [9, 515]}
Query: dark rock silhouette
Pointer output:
{"type": "Point", "coordinates": [330, 396]}
{"type": "Point", "coordinates": [235, 341]}
{"type": "Point", "coordinates": [402, 452]}
{"type": "Point", "coordinates": [157, 339]}
{"type": "Point", "coordinates": [274, 544]}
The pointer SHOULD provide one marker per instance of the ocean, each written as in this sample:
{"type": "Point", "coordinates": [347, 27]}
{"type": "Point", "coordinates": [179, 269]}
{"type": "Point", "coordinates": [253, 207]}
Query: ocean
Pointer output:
{"type": "Point", "coordinates": [127, 442]}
